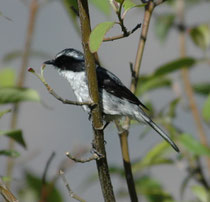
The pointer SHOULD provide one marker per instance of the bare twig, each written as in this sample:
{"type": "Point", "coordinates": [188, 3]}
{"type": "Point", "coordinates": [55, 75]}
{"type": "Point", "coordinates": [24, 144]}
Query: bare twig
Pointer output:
{"type": "Point", "coordinates": [122, 35]}
{"type": "Point", "coordinates": [71, 193]}
{"type": "Point", "coordinates": [46, 189]}
{"type": "Point", "coordinates": [135, 75]}
{"type": "Point", "coordinates": [29, 35]}
{"type": "Point", "coordinates": [95, 156]}
{"type": "Point", "coordinates": [188, 86]}
{"type": "Point", "coordinates": [53, 93]}
{"type": "Point", "coordinates": [47, 167]}
{"type": "Point", "coordinates": [6, 193]}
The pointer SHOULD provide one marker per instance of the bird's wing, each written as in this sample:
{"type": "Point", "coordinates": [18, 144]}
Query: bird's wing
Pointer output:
{"type": "Point", "coordinates": [112, 84]}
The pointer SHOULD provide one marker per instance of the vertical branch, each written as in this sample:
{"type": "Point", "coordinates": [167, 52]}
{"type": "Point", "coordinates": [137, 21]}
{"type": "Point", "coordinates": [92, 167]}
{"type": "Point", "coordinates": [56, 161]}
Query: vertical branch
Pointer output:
{"type": "Point", "coordinates": [98, 141]}
{"type": "Point", "coordinates": [187, 83]}
{"type": "Point", "coordinates": [124, 135]}
{"type": "Point", "coordinates": [30, 30]}
{"type": "Point", "coordinates": [142, 40]}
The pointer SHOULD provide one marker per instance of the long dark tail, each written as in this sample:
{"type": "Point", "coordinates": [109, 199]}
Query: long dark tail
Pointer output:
{"type": "Point", "coordinates": [158, 130]}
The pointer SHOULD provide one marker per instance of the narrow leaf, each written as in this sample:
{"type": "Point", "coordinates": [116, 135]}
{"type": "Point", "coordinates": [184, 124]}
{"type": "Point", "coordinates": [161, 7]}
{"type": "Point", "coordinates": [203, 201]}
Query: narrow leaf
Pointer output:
{"type": "Point", "coordinates": [151, 83]}
{"type": "Point", "coordinates": [14, 95]}
{"type": "Point", "coordinates": [4, 112]}
{"type": "Point", "coordinates": [153, 157]}
{"type": "Point", "coordinates": [16, 135]}
{"type": "Point", "coordinates": [72, 10]}
{"type": "Point", "coordinates": [7, 77]}
{"type": "Point", "coordinates": [206, 110]}
{"type": "Point", "coordinates": [202, 88]}
{"type": "Point", "coordinates": [193, 146]}
{"type": "Point", "coordinates": [151, 189]}
{"type": "Point", "coordinates": [97, 35]}
{"type": "Point", "coordinates": [163, 25]}
{"type": "Point", "coordinates": [128, 4]}
{"type": "Point", "coordinates": [175, 65]}
{"type": "Point", "coordinates": [10, 153]}
{"type": "Point", "coordinates": [200, 35]}
{"type": "Point", "coordinates": [172, 107]}
{"type": "Point", "coordinates": [202, 194]}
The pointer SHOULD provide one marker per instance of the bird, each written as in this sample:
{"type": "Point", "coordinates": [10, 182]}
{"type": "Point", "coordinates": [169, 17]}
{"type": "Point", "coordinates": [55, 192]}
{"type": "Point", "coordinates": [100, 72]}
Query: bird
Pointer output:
{"type": "Point", "coordinates": [117, 100]}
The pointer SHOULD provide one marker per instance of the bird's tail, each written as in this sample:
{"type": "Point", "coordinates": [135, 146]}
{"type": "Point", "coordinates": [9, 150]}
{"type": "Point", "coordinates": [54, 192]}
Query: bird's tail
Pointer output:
{"type": "Point", "coordinates": [158, 130]}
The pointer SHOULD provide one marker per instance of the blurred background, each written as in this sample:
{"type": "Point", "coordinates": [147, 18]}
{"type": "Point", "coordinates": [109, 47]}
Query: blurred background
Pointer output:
{"type": "Point", "coordinates": [50, 126]}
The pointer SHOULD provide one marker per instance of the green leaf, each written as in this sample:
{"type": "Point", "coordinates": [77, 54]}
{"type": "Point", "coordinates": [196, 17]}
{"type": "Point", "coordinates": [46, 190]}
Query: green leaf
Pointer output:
{"type": "Point", "coordinates": [153, 157]}
{"type": "Point", "coordinates": [200, 35]}
{"type": "Point", "coordinates": [172, 107]}
{"type": "Point", "coordinates": [10, 153]}
{"type": "Point", "coordinates": [4, 112]}
{"type": "Point", "coordinates": [206, 110]}
{"type": "Point", "coordinates": [202, 88]}
{"type": "Point", "coordinates": [163, 25]}
{"type": "Point", "coordinates": [151, 83]}
{"type": "Point", "coordinates": [152, 190]}
{"type": "Point", "coordinates": [102, 6]}
{"type": "Point", "coordinates": [193, 146]}
{"type": "Point", "coordinates": [14, 95]}
{"type": "Point", "coordinates": [16, 135]}
{"type": "Point", "coordinates": [202, 194]}
{"type": "Point", "coordinates": [175, 65]}
{"type": "Point", "coordinates": [33, 186]}
{"type": "Point", "coordinates": [128, 4]}
{"type": "Point", "coordinates": [7, 77]}
{"type": "Point", "coordinates": [97, 35]}
{"type": "Point", "coordinates": [72, 10]}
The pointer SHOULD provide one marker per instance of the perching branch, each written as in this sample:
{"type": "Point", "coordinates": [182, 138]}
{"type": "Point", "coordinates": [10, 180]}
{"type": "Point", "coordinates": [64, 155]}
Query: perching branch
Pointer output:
{"type": "Point", "coordinates": [98, 142]}
{"type": "Point", "coordinates": [71, 193]}
{"type": "Point", "coordinates": [128, 33]}
{"type": "Point", "coordinates": [53, 93]}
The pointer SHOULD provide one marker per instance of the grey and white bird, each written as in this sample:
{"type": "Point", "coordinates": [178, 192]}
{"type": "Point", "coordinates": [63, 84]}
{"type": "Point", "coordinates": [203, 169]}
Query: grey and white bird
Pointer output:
{"type": "Point", "coordinates": [116, 99]}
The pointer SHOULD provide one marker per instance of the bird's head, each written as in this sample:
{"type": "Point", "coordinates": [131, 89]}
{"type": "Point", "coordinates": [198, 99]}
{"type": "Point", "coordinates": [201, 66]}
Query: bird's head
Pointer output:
{"type": "Point", "coordinates": [68, 60]}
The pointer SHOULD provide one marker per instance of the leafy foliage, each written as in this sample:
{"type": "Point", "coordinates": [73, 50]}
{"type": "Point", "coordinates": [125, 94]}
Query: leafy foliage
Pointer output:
{"type": "Point", "coordinates": [206, 110]}
{"type": "Point", "coordinates": [15, 95]}
{"type": "Point", "coordinates": [34, 187]}
{"type": "Point", "coordinates": [163, 25]}
{"type": "Point", "coordinates": [97, 35]}
{"type": "Point", "coordinates": [15, 135]}
{"type": "Point", "coordinates": [200, 35]}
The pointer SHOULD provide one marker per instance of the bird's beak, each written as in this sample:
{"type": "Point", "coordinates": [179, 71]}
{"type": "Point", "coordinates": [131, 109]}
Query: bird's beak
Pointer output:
{"type": "Point", "coordinates": [49, 62]}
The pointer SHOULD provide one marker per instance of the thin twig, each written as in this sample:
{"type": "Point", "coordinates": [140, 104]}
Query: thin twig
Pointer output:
{"type": "Point", "coordinates": [135, 75]}
{"type": "Point", "coordinates": [71, 193]}
{"type": "Point", "coordinates": [121, 20]}
{"type": "Point", "coordinates": [34, 5]}
{"type": "Point", "coordinates": [122, 35]}
{"type": "Point", "coordinates": [188, 86]}
{"type": "Point", "coordinates": [6, 193]}
{"type": "Point", "coordinates": [46, 189]}
{"type": "Point", "coordinates": [47, 167]}
{"type": "Point", "coordinates": [53, 93]}
{"type": "Point", "coordinates": [95, 156]}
